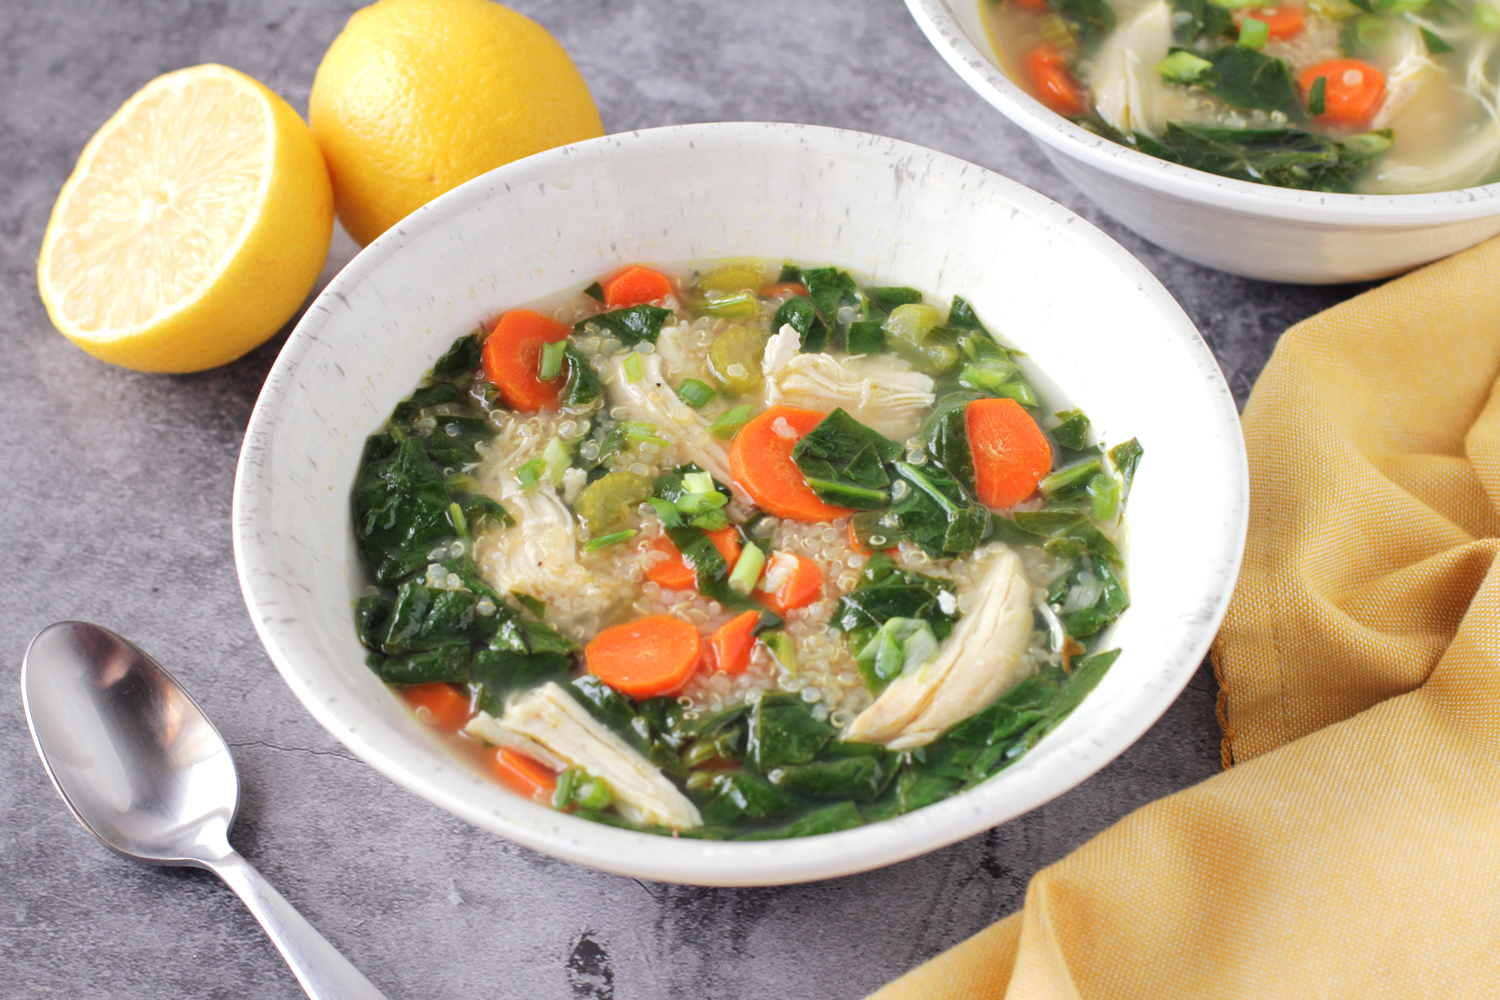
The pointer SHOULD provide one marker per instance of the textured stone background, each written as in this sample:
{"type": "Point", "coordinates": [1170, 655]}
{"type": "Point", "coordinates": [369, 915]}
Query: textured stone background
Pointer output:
{"type": "Point", "coordinates": [114, 507]}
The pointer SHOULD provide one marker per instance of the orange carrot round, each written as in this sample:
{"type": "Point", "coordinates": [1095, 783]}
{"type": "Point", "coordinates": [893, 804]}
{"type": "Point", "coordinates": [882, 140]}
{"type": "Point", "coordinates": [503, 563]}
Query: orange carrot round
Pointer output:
{"type": "Point", "coordinates": [1281, 22]}
{"type": "Point", "coordinates": [1036, 5]}
{"type": "Point", "coordinates": [512, 357]}
{"type": "Point", "coordinates": [447, 707]}
{"type": "Point", "coordinates": [636, 286]}
{"type": "Point", "coordinates": [760, 459]}
{"type": "Point", "coordinates": [522, 775]}
{"type": "Point", "coordinates": [647, 657]}
{"type": "Point", "coordinates": [1054, 84]}
{"type": "Point", "coordinates": [1011, 454]}
{"type": "Point", "coordinates": [797, 581]}
{"type": "Point", "coordinates": [1352, 93]}
{"type": "Point", "coordinates": [675, 574]}
{"type": "Point", "coordinates": [729, 647]}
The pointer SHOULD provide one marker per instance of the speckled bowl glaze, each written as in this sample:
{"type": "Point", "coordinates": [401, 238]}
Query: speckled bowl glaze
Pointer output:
{"type": "Point", "coordinates": [1249, 229]}
{"type": "Point", "coordinates": [1091, 317]}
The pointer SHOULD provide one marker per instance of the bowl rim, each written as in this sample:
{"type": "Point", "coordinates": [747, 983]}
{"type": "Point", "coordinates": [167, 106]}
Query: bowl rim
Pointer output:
{"type": "Point", "coordinates": [978, 70]}
{"type": "Point", "coordinates": [708, 862]}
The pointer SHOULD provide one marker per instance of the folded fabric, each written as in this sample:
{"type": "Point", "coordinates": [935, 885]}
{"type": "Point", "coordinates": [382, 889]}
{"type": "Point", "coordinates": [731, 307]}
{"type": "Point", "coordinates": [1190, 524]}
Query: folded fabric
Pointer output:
{"type": "Point", "coordinates": [1353, 847]}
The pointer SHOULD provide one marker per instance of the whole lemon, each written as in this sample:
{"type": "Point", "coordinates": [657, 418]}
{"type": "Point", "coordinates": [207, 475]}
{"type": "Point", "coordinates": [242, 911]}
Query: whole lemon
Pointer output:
{"type": "Point", "coordinates": [192, 228]}
{"type": "Point", "coordinates": [415, 97]}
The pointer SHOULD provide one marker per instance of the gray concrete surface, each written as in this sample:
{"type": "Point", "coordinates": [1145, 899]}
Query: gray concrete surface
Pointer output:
{"type": "Point", "coordinates": [114, 507]}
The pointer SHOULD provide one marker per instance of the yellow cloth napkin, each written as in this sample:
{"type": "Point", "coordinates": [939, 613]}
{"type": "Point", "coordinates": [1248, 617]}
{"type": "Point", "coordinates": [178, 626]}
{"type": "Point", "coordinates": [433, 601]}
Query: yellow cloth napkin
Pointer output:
{"type": "Point", "coordinates": [1353, 848]}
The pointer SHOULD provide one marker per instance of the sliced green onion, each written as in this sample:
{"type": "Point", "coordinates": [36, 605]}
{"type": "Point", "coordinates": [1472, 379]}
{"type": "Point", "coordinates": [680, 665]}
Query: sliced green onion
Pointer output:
{"type": "Point", "coordinates": [700, 503]}
{"type": "Point", "coordinates": [529, 473]}
{"type": "Point", "coordinates": [1020, 392]}
{"type": "Point", "coordinates": [556, 458]}
{"type": "Point", "coordinates": [714, 520]}
{"type": "Point", "coordinates": [733, 306]}
{"type": "Point", "coordinates": [1182, 67]}
{"type": "Point", "coordinates": [1435, 45]}
{"type": "Point", "coordinates": [641, 430]}
{"type": "Point", "coordinates": [562, 792]}
{"type": "Point", "coordinates": [698, 482]}
{"type": "Point", "coordinates": [747, 567]}
{"type": "Point", "coordinates": [1254, 33]}
{"type": "Point", "coordinates": [1104, 497]}
{"type": "Point", "coordinates": [604, 541]}
{"type": "Point", "coordinates": [1317, 97]}
{"type": "Point", "coordinates": [632, 367]}
{"type": "Point", "coordinates": [783, 650]}
{"type": "Point", "coordinates": [1070, 478]}
{"type": "Point", "coordinates": [695, 393]}
{"type": "Point", "coordinates": [592, 793]}
{"type": "Point", "coordinates": [552, 360]}
{"type": "Point", "coordinates": [666, 512]}
{"type": "Point", "coordinates": [1486, 18]}
{"type": "Point", "coordinates": [730, 422]}
{"type": "Point", "coordinates": [457, 519]}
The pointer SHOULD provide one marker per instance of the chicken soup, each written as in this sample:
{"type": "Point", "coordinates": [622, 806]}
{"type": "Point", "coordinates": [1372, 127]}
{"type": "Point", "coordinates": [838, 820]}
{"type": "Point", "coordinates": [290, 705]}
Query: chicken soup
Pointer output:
{"type": "Point", "coordinates": [743, 551]}
{"type": "Point", "coordinates": [1363, 96]}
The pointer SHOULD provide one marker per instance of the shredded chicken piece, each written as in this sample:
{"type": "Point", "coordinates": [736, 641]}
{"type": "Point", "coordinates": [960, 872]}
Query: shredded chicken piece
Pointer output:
{"type": "Point", "coordinates": [549, 716]}
{"type": "Point", "coordinates": [873, 388]}
{"type": "Point", "coordinates": [976, 664]}
{"type": "Point", "coordinates": [539, 554]}
{"type": "Point", "coordinates": [1128, 91]}
{"type": "Point", "coordinates": [1412, 71]}
{"type": "Point", "coordinates": [652, 399]}
{"type": "Point", "coordinates": [486, 727]}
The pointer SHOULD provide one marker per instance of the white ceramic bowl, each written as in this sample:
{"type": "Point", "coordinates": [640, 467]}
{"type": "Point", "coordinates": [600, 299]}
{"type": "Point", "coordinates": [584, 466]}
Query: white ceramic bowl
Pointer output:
{"type": "Point", "coordinates": [1250, 229]}
{"type": "Point", "coordinates": [1089, 314]}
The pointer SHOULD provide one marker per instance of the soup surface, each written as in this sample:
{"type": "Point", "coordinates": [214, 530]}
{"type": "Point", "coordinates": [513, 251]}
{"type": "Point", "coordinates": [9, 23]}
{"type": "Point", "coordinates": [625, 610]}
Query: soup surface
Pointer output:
{"type": "Point", "coordinates": [1365, 96]}
{"type": "Point", "coordinates": [741, 551]}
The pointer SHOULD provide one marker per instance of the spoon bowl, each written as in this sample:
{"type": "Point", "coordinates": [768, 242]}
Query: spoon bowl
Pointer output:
{"type": "Point", "coordinates": [144, 770]}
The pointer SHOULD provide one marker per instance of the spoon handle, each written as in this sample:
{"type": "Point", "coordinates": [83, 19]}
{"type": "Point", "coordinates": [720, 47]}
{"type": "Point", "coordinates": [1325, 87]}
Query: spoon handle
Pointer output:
{"type": "Point", "coordinates": [324, 973]}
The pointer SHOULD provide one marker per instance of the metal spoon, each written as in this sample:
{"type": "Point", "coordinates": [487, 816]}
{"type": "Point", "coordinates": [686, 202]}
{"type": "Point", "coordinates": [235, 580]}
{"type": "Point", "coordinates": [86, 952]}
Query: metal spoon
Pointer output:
{"type": "Point", "coordinates": [143, 769]}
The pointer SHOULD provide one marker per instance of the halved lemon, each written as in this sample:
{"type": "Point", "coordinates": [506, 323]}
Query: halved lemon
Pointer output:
{"type": "Point", "coordinates": [192, 228]}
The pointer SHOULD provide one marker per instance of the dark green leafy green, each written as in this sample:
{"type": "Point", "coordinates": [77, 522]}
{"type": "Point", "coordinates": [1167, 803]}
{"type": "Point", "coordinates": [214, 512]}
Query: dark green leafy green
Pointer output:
{"type": "Point", "coordinates": [937, 512]}
{"type": "Point", "coordinates": [1248, 78]}
{"type": "Point", "coordinates": [961, 316]}
{"type": "Point", "coordinates": [1093, 19]}
{"type": "Point", "coordinates": [783, 730]}
{"type": "Point", "coordinates": [845, 462]}
{"type": "Point", "coordinates": [460, 360]}
{"type": "Point", "coordinates": [1285, 157]}
{"type": "Point", "coordinates": [631, 326]}
{"type": "Point", "coordinates": [447, 664]}
{"type": "Point", "coordinates": [425, 617]}
{"type": "Point", "coordinates": [1089, 598]}
{"type": "Point", "coordinates": [736, 796]}
{"type": "Point", "coordinates": [886, 299]}
{"type": "Point", "coordinates": [595, 292]}
{"type": "Point", "coordinates": [612, 709]}
{"type": "Point", "coordinates": [865, 336]}
{"type": "Point", "coordinates": [802, 315]}
{"type": "Point", "coordinates": [857, 771]}
{"type": "Point", "coordinates": [830, 289]}
{"type": "Point", "coordinates": [371, 615]}
{"type": "Point", "coordinates": [583, 385]}
{"type": "Point", "coordinates": [885, 591]}
{"type": "Point", "coordinates": [1195, 19]}
{"type": "Point", "coordinates": [829, 819]}
{"type": "Point", "coordinates": [1125, 458]}
{"type": "Point", "coordinates": [1073, 432]}
{"type": "Point", "coordinates": [425, 397]}
{"type": "Point", "coordinates": [945, 436]}
{"type": "Point", "coordinates": [400, 511]}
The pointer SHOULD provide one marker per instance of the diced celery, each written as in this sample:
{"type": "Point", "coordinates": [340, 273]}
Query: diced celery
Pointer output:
{"type": "Point", "coordinates": [552, 360]}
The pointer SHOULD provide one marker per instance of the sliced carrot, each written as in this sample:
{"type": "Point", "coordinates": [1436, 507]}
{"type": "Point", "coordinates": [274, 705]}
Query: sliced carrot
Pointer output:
{"type": "Point", "coordinates": [729, 647]}
{"type": "Point", "coordinates": [675, 574]}
{"type": "Point", "coordinates": [636, 286]}
{"type": "Point", "coordinates": [447, 707]}
{"type": "Point", "coordinates": [1352, 93]}
{"type": "Point", "coordinates": [1011, 454]}
{"type": "Point", "coordinates": [797, 581]}
{"type": "Point", "coordinates": [512, 358]}
{"type": "Point", "coordinates": [783, 289]}
{"type": "Point", "coordinates": [1282, 22]}
{"type": "Point", "coordinates": [647, 657]}
{"type": "Point", "coordinates": [760, 459]}
{"type": "Point", "coordinates": [1054, 84]}
{"type": "Point", "coordinates": [1037, 5]}
{"type": "Point", "coordinates": [528, 778]}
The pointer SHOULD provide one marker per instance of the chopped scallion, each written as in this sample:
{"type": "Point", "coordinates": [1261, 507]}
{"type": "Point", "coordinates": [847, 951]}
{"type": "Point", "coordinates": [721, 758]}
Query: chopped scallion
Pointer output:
{"type": "Point", "coordinates": [1183, 67]}
{"type": "Point", "coordinates": [641, 430]}
{"type": "Point", "coordinates": [747, 568]}
{"type": "Point", "coordinates": [552, 360]}
{"type": "Point", "coordinates": [701, 503]}
{"type": "Point", "coordinates": [730, 422]}
{"type": "Point", "coordinates": [604, 541]}
{"type": "Point", "coordinates": [698, 482]}
{"type": "Point", "coordinates": [457, 519]}
{"type": "Point", "coordinates": [1254, 33]}
{"type": "Point", "coordinates": [632, 367]}
{"type": "Point", "coordinates": [528, 473]}
{"type": "Point", "coordinates": [695, 393]}
{"type": "Point", "coordinates": [664, 510]}
{"type": "Point", "coordinates": [556, 458]}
